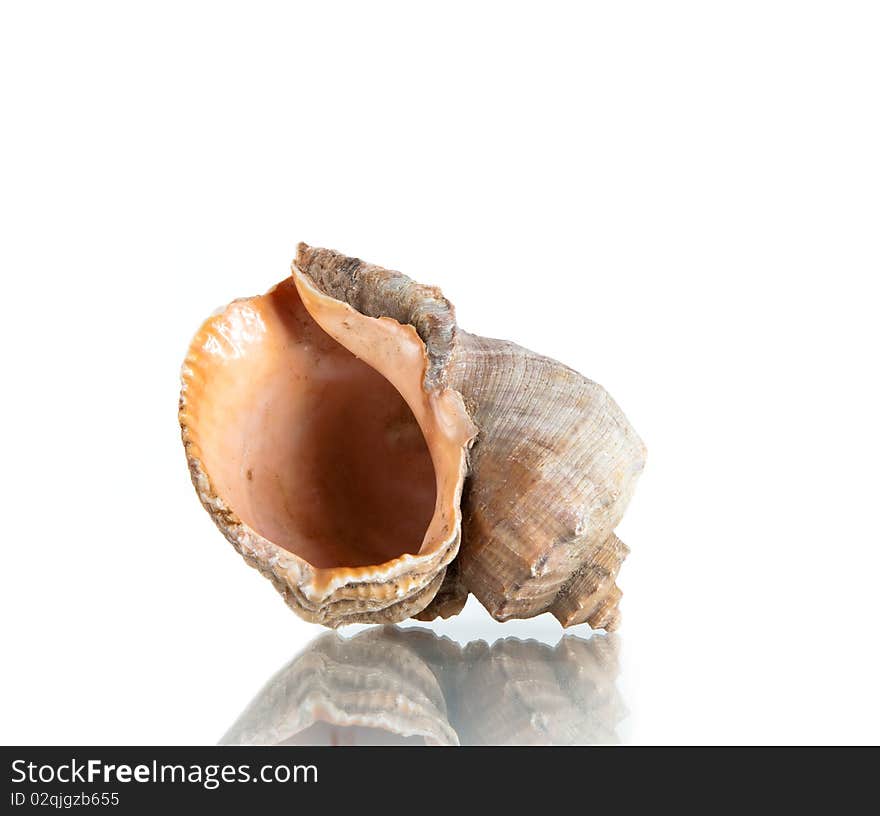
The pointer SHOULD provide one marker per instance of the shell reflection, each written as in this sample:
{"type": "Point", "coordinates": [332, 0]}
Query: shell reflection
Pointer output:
{"type": "Point", "coordinates": [392, 686]}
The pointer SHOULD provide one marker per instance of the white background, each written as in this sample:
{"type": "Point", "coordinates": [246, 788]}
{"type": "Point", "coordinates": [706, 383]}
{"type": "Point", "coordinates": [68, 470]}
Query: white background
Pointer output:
{"type": "Point", "coordinates": [681, 200]}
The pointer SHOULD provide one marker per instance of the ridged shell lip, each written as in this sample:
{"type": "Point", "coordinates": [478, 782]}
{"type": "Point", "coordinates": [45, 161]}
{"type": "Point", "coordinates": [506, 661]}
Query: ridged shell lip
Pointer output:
{"type": "Point", "coordinates": [317, 584]}
{"type": "Point", "coordinates": [384, 344]}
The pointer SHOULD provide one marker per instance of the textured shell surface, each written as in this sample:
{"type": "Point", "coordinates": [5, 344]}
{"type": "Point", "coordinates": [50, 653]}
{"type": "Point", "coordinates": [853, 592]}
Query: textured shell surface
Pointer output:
{"type": "Point", "coordinates": [554, 468]}
{"type": "Point", "coordinates": [468, 447]}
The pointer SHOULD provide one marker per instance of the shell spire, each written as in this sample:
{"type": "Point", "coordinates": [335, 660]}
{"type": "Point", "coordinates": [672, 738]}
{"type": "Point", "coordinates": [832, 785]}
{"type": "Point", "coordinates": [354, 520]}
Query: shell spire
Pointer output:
{"type": "Point", "coordinates": [551, 473]}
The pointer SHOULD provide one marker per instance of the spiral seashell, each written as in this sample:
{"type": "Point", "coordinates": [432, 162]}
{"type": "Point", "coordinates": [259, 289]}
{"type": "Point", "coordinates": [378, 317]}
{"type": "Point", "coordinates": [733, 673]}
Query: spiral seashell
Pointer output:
{"type": "Point", "coordinates": [329, 426]}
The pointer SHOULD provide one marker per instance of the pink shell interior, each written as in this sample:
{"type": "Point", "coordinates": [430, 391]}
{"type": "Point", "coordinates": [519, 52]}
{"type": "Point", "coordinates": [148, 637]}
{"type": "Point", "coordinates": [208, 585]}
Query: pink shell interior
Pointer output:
{"type": "Point", "coordinates": [308, 444]}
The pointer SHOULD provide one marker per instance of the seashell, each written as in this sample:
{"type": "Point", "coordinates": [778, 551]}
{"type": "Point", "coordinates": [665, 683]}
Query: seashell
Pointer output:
{"type": "Point", "coordinates": [329, 426]}
{"type": "Point", "coordinates": [409, 686]}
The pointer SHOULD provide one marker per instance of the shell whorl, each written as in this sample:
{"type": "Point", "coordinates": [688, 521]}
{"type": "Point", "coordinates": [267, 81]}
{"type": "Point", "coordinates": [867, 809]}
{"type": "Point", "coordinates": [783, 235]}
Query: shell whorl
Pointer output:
{"type": "Point", "coordinates": [551, 473]}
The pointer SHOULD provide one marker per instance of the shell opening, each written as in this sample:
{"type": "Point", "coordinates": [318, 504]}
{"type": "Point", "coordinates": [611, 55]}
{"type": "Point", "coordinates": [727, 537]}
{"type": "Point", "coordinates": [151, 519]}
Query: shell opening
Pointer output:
{"type": "Point", "coordinates": [307, 444]}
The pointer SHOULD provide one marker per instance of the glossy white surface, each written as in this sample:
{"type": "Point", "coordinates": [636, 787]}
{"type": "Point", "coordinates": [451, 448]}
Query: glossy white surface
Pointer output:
{"type": "Point", "coordinates": [710, 174]}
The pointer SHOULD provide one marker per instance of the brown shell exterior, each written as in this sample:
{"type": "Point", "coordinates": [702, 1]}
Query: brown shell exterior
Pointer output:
{"type": "Point", "coordinates": [553, 469]}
